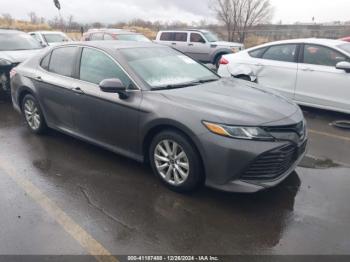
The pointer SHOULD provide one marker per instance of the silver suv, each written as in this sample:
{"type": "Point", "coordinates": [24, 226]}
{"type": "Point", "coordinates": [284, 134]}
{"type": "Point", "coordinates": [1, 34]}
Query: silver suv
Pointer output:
{"type": "Point", "coordinates": [201, 45]}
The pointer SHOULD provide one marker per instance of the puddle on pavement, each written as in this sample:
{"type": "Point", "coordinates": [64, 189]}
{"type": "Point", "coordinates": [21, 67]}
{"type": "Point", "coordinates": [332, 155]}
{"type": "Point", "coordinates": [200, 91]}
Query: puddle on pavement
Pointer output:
{"type": "Point", "coordinates": [318, 163]}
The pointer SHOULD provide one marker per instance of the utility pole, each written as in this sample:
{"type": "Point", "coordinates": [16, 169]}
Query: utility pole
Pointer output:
{"type": "Point", "coordinates": [58, 6]}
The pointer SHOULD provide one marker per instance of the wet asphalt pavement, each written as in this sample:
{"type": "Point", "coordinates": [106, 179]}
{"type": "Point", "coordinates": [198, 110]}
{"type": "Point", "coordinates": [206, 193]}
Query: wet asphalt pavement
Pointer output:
{"type": "Point", "coordinates": [123, 207]}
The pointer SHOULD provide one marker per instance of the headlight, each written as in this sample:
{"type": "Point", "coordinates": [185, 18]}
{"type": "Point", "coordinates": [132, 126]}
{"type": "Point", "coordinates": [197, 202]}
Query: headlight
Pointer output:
{"type": "Point", "coordinates": [239, 132]}
{"type": "Point", "coordinates": [4, 62]}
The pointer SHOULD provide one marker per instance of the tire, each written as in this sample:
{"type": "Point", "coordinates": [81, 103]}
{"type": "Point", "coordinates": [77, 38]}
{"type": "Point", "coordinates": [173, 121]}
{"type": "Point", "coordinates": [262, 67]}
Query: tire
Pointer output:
{"type": "Point", "coordinates": [33, 115]}
{"type": "Point", "coordinates": [181, 170]}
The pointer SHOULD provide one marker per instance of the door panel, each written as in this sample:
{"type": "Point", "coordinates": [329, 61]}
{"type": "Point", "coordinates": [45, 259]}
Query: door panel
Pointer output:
{"type": "Point", "coordinates": [102, 117]}
{"type": "Point", "coordinates": [198, 49]}
{"type": "Point", "coordinates": [279, 76]}
{"type": "Point", "coordinates": [54, 86]}
{"type": "Point", "coordinates": [324, 86]}
{"type": "Point", "coordinates": [278, 70]}
{"type": "Point", "coordinates": [319, 82]}
{"type": "Point", "coordinates": [55, 97]}
{"type": "Point", "coordinates": [106, 119]}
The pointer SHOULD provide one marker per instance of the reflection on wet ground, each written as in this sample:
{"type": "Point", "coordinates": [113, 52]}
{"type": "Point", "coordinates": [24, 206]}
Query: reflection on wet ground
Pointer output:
{"type": "Point", "coordinates": [125, 208]}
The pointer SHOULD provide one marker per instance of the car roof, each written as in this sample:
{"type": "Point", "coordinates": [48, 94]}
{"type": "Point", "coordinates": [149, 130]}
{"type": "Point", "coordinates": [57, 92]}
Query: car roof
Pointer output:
{"type": "Point", "coordinates": [112, 31]}
{"type": "Point", "coordinates": [114, 45]}
{"type": "Point", "coordinates": [47, 32]}
{"type": "Point", "coordinates": [186, 30]}
{"type": "Point", "coordinates": [320, 41]}
{"type": "Point", "coordinates": [11, 31]}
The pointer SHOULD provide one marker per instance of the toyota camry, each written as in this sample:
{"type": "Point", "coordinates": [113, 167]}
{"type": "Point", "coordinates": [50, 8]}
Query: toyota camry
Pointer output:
{"type": "Point", "coordinates": [156, 105]}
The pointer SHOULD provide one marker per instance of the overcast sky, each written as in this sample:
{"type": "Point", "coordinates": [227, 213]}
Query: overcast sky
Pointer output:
{"type": "Point", "coordinates": [110, 11]}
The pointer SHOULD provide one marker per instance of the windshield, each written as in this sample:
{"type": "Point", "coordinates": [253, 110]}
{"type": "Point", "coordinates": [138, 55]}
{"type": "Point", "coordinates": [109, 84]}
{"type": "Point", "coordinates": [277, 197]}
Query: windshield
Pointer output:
{"type": "Point", "coordinates": [166, 67]}
{"type": "Point", "coordinates": [13, 42]}
{"type": "Point", "coordinates": [211, 37]}
{"type": "Point", "coordinates": [345, 47]}
{"type": "Point", "coordinates": [137, 38]}
{"type": "Point", "coordinates": [55, 38]}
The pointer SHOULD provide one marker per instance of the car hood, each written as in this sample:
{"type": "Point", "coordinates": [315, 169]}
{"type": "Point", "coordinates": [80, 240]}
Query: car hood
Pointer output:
{"type": "Point", "coordinates": [224, 43]}
{"type": "Point", "coordinates": [235, 102]}
{"type": "Point", "coordinates": [18, 56]}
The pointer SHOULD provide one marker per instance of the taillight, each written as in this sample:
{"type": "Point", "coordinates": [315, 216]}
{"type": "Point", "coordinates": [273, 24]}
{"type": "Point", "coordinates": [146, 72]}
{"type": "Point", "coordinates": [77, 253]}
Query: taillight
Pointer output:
{"type": "Point", "coordinates": [13, 72]}
{"type": "Point", "coordinates": [224, 61]}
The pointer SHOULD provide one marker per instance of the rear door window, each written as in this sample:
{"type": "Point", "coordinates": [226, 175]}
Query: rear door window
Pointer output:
{"type": "Point", "coordinates": [283, 53]}
{"type": "Point", "coordinates": [167, 36]}
{"type": "Point", "coordinates": [63, 60]}
{"type": "Point", "coordinates": [45, 62]}
{"type": "Point", "coordinates": [257, 53]}
{"type": "Point", "coordinates": [180, 37]}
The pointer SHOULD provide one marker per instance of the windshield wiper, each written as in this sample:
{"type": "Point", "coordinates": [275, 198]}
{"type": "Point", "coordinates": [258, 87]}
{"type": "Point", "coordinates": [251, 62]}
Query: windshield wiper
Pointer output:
{"type": "Point", "coordinates": [208, 80]}
{"type": "Point", "coordinates": [183, 85]}
{"type": "Point", "coordinates": [175, 86]}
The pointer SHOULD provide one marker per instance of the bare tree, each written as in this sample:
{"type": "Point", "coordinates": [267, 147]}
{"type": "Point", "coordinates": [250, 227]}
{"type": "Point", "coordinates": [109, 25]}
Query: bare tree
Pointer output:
{"type": "Point", "coordinates": [70, 22]}
{"type": "Point", "coordinates": [8, 19]}
{"type": "Point", "coordinates": [240, 15]}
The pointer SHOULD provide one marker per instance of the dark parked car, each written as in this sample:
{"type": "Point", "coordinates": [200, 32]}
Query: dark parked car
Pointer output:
{"type": "Point", "coordinates": [15, 47]}
{"type": "Point", "coordinates": [152, 103]}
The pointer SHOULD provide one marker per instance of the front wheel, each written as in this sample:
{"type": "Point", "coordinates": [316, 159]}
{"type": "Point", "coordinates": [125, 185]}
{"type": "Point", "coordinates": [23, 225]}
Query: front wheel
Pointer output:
{"type": "Point", "coordinates": [175, 161]}
{"type": "Point", "coordinates": [33, 115]}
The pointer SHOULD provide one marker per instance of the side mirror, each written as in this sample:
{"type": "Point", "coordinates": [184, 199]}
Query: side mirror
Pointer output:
{"type": "Point", "coordinates": [343, 66]}
{"type": "Point", "coordinates": [114, 85]}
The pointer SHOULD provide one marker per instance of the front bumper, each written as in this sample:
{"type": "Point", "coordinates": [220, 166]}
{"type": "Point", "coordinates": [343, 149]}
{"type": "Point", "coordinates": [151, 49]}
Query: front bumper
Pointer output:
{"type": "Point", "coordinates": [227, 160]}
{"type": "Point", "coordinates": [241, 186]}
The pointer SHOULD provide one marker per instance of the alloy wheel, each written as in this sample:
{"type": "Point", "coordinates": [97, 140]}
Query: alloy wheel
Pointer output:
{"type": "Point", "coordinates": [172, 162]}
{"type": "Point", "coordinates": [32, 115]}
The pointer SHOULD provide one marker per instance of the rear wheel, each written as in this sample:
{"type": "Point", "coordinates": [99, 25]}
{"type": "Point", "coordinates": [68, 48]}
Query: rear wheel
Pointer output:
{"type": "Point", "coordinates": [33, 115]}
{"type": "Point", "coordinates": [175, 161]}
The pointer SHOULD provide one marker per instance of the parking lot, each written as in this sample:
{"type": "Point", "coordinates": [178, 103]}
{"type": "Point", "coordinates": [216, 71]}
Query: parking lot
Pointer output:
{"type": "Point", "coordinates": [63, 196]}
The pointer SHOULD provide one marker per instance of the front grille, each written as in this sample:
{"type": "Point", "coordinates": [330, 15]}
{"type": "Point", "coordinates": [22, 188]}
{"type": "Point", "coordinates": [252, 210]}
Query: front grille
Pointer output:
{"type": "Point", "coordinates": [299, 129]}
{"type": "Point", "coordinates": [273, 164]}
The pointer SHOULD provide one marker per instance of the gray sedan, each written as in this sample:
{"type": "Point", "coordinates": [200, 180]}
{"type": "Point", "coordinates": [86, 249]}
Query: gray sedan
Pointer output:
{"type": "Point", "coordinates": [154, 104]}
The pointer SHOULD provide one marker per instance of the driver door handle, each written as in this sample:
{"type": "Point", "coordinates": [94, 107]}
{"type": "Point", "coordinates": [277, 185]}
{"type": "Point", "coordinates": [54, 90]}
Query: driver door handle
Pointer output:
{"type": "Point", "coordinates": [39, 78]}
{"type": "Point", "coordinates": [78, 91]}
{"type": "Point", "coordinates": [259, 64]}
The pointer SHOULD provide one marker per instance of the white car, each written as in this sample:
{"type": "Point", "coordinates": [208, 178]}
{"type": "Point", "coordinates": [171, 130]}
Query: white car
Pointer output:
{"type": "Point", "coordinates": [312, 72]}
{"type": "Point", "coordinates": [50, 38]}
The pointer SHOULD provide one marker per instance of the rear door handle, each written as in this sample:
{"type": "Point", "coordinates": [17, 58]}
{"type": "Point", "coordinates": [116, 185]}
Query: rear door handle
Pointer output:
{"type": "Point", "coordinates": [173, 43]}
{"type": "Point", "coordinates": [190, 44]}
{"type": "Point", "coordinates": [307, 69]}
{"type": "Point", "coordinates": [78, 91]}
{"type": "Point", "coordinates": [259, 64]}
